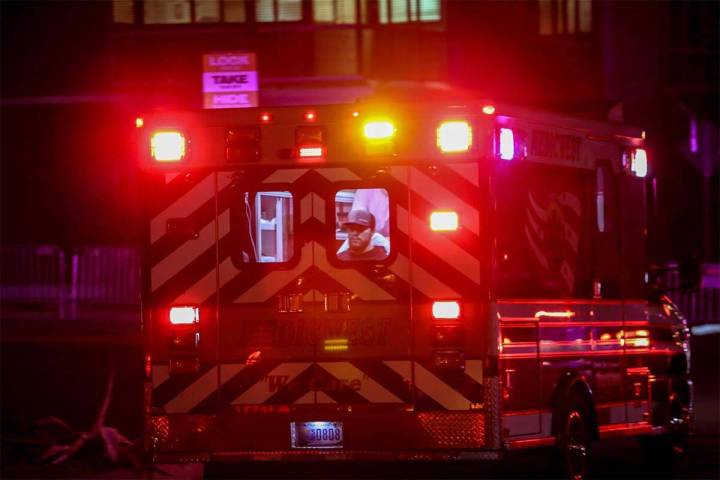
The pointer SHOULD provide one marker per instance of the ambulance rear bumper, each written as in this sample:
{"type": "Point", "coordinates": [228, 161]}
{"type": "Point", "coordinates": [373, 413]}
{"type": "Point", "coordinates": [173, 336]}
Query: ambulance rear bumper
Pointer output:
{"type": "Point", "coordinates": [372, 436]}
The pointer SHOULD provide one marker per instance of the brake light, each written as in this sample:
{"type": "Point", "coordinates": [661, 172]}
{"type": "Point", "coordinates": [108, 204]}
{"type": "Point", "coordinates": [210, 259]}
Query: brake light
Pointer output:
{"type": "Point", "coordinates": [444, 221]}
{"type": "Point", "coordinates": [168, 146]}
{"type": "Point", "coordinates": [446, 310]}
{"type": "Point", "coordinates": [506, 141]}
{"type": "Point", "coordinates": [310, 142]}
{"type": "Point", "coordinates": [639, 162]}
{"type": "Point", "coordinates": [455, 136]}
{"type": "Point", "coordinates": [184, 315]}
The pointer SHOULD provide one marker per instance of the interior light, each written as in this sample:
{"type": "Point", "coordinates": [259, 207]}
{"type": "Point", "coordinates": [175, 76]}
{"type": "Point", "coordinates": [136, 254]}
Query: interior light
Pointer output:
{"type": "Point", "coordinates": [184, 315]}
{"type": "Point", "coordinates": [167, 146]}
{"type": "Point", "coordinates": [379, 130]}
{"type": "Point", "coordinates": [444, 221]}
{"type": "Point", "coordinates": [639, 163]}
{"type": "Point", "coordinates": [446, 310]}
{"type": "Point", "coordinates": [455, 136]}
{"type": "Point", "coordinates": [507, 144]}
{"type": "Point", "coordinates": [488, 109]}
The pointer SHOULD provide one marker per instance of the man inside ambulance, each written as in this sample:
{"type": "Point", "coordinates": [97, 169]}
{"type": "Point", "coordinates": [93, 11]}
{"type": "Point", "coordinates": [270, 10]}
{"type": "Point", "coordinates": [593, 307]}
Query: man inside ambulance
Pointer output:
{"type": "Point", "coordinates": [363, 242]}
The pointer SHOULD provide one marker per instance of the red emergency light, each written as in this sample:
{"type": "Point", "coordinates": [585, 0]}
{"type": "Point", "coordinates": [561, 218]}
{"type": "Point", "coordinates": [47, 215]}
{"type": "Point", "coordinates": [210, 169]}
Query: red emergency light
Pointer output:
{"type": "Point", "coordinates": [168, 146]}
{"type": "Point", "coordinates": [184, 315]}
{"type": "Point", "coordinates": [310, 142]}
{"type": "Point", "coordinates": [446, 310]}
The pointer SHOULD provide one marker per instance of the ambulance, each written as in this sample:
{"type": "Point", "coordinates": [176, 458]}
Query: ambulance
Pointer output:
{"type": "Point", "coordinates": [402, 281]}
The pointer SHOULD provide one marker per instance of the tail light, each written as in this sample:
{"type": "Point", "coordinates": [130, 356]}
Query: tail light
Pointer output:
{"type": "Point", "coordinates": [184, 315]}
{"type": "Point", "coordinates": [454, 137]}
{"type": "Point", "coordinates": [310, 142]}
{"type": "Point", "coordinates": [168, 146]}
{"type": "Point", "coordinates": [446, 310]}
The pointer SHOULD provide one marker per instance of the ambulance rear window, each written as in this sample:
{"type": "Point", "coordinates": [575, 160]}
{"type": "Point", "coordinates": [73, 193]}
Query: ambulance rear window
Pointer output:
{"type": "Point", "coordinates": [265, 230]}
{"type": "Point", "coordinates": [361, 224]}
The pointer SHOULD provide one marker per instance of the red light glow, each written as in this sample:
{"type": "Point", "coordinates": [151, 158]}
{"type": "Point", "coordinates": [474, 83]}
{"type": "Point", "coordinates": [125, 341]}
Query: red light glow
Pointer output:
{"type": "Point", "coordinates": [310, 116]}
{"type": "Point", "coordinates": [446, 310]}
{"type": "Point", "coordinates": [184, 315]}
{"type": "Point", "coordinates": [265, 117]}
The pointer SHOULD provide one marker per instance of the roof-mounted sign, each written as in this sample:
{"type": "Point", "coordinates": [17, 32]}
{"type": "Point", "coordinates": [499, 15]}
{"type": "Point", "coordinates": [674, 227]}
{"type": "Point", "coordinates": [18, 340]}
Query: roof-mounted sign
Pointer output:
{"type": "Point", "coordinates": [230, 80]}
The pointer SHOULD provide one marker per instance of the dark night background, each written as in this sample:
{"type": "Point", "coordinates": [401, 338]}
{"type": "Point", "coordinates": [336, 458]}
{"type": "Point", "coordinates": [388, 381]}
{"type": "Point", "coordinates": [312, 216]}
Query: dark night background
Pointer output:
{"type": "Point", "coordinates": [74, 76]}
{"type": "Point", "coordinates": [73, 80]}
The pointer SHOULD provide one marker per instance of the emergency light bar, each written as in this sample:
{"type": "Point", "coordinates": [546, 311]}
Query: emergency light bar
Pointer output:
{"type": "Point", "coordinates": [168, 146]}
{"type": "Point", "coordinates": [184, 315]}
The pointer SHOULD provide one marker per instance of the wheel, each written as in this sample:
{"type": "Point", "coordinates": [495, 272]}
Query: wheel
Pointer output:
{"type": "Point", "coordinates": [574, 439]}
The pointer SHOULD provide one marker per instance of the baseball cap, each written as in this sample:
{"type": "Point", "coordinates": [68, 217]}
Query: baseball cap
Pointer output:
{"type": "Point", "coordinates": [360, 217]}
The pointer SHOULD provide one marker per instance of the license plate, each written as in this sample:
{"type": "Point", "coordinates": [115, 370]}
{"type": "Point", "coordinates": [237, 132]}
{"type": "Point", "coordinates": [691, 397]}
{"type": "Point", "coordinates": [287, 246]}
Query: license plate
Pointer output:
{"type": "Point", "coordinates": [316, 434]}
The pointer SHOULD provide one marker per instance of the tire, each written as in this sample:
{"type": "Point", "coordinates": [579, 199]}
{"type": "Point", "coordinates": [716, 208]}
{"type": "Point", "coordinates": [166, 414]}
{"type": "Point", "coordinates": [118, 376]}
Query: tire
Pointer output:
{"type": "Point", "coordinates": [574, 439]}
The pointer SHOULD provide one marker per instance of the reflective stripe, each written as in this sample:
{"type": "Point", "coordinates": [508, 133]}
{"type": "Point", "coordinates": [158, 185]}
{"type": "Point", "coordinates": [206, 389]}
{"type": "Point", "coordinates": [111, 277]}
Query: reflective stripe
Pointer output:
{"type": "Point", "coordinates": [187, 252]}
{"type": "Point", "coordinates": [264, 389]}
{"type": "Point", "coordinates": [159, 375]}
{"type": "Point", "coordinates": [194, 394]}
{"type": "Point", "coordinates": [337, 174]}
{"type": "Point", "coordinates": [285, 175]}
{"type": "Point", "coordinates": [439, 197]}
{"type": "Point", "coordinates": [441, 246]}
{"type": "Point", "coordinates": [369, 388]}
{"type": "Point", "coordinates": [350, 278]}
{"type": "Point", "coordinates": [421, 279]}
{"type": "Point", "coordinates": [275, 281]}
{"type": "Point", "coordinates": [431, 385]}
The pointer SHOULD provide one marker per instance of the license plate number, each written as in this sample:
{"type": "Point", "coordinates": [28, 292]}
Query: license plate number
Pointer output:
{"type": "Point", "coordinates": [316, 434]}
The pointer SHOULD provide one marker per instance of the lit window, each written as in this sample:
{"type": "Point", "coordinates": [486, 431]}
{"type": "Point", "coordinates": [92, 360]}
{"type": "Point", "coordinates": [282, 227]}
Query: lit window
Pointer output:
{"type": "Point", "coordinates": [123, 11]}
{"type": "Point", "coordinates": [564, 16]}
{"type": "Point", "coordinates": [207, 11]}
{"type": "Point", "coordinates": [164, 11]}
{"type": "Point", "coordinates": [235, 11]}
{"type": "Point", "coordinates": [334, 11]}
{"type": "Point", "coordinates": [404, 11]}
{"type": "Point", "coordinates": [278, 10]}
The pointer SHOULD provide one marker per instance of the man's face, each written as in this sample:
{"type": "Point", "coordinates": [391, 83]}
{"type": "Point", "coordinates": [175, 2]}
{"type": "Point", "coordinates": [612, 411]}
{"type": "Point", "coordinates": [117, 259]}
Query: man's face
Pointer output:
{"type": "Point", "coordinates": [358, 237]}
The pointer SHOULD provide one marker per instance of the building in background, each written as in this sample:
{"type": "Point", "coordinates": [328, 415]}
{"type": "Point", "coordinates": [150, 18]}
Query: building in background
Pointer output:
{"type": "Point", "coordinates": [76, 74]}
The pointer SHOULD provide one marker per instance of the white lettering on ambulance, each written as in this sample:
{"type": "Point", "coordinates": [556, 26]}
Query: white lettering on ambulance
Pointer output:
{"type": "Point", "coordinates": [236, 99]}
{"type": "Point", "coordinates": [225, 60]}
